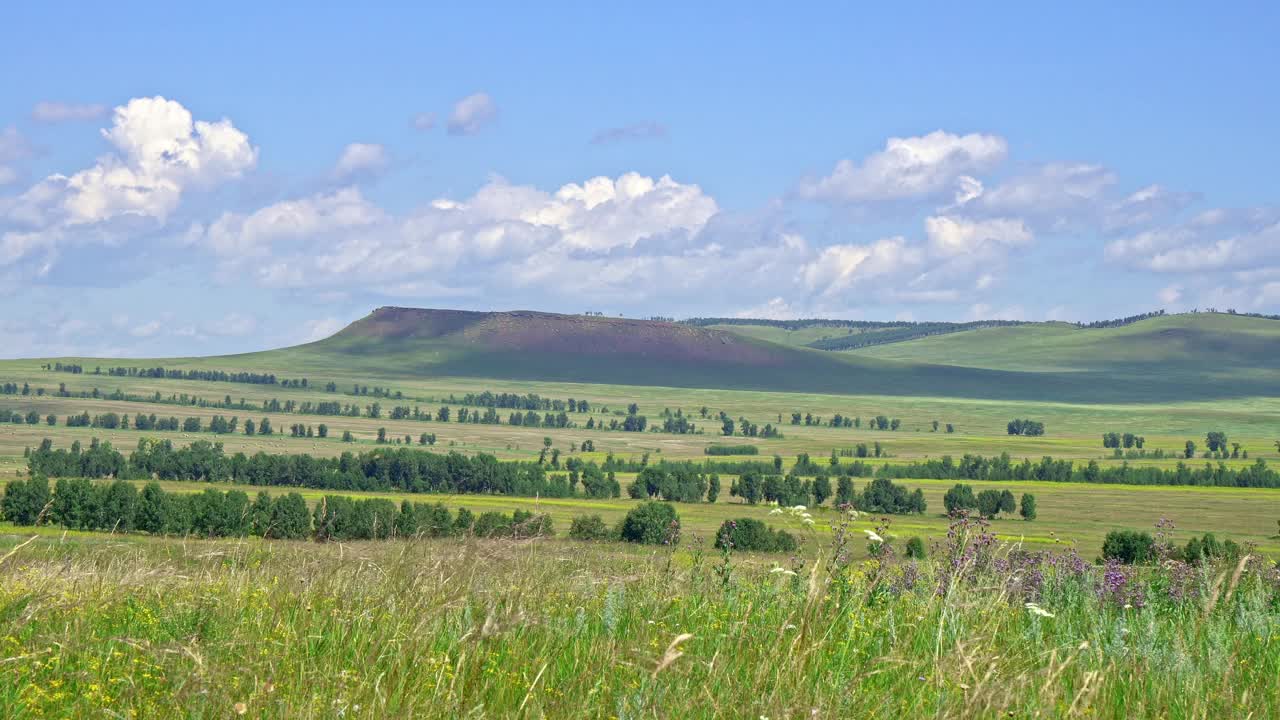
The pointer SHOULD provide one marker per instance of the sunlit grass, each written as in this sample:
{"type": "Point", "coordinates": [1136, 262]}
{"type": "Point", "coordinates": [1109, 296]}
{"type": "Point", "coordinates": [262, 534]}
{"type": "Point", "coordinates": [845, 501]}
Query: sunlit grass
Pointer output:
{"type": "Point", "coordinates": [92, 626]}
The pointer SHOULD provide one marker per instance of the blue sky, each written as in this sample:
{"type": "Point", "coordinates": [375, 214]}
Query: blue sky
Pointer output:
{"type": "Point", "coordinates": [180, 180]}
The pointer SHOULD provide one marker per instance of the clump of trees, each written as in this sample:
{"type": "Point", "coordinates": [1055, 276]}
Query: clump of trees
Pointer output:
{"type": "Point", "coordinates": [674, 483]}
{"type": "Point", "coordinates": [882, 495]}
{"type": "Point", "coordinates": [788, 490]}
{"type": "Point", "coordinates": [1113, 440]}
{"type": "Point", "coordinates": [993, 502]}
{"type": "Point", "coordinates": [753, 535]}
{"type": "Point", "coordinates": [1033, 428]}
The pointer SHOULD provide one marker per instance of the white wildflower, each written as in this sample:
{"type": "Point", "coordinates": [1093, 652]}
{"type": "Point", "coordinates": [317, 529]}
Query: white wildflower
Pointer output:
{"type": "Point", "coordinates": [1035, 609]}
{"type": "Point", "coordinates": [873, 537]}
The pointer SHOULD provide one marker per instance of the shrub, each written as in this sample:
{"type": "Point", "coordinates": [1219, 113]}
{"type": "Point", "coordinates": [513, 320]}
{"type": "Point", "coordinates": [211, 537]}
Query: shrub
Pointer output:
{"type": "Point", "coordinates": [525, 524]}
{"type": "Point", "coordinates": [590, 527]}
{"type": "Point", "coordinates": [1028, 509]}
{"type": "Point", "coordinates": [751, 534]}
{"type": "Point", "coordinates": [520, 524]}
{"type": "Point", "coordinates": [1128, 546]}
{"type": "Point", "coordinates": [915, 548]}
{"type": "Point", "coordinates": [651, 523]}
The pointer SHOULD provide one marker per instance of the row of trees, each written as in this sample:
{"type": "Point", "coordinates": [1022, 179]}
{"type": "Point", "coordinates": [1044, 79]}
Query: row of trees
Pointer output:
{"type": "Point", "coordinates": [977, 467]}
{"type": "Point", "coordinates": [1127, 440]}
{"type": "Point", "coordinates": [400, 468]}
{"type": "Point", "coordinates": [117, 506]}
{"type": "Point", "coordinates": [208, 375]}
{"type": "Point", "coordinates": [879, 422]}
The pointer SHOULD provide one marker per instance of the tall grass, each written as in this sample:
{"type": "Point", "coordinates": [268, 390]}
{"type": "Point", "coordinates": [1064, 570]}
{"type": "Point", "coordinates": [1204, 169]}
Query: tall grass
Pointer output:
{"type": "Point", "coordinates": [100, 627]}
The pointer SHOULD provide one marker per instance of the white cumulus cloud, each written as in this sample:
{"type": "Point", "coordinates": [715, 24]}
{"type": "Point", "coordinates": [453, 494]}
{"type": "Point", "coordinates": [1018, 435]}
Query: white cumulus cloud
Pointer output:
{"type": "Point", "coordinates": [911, 167]}
{"type": "Point", "coordinates": [953, 235]}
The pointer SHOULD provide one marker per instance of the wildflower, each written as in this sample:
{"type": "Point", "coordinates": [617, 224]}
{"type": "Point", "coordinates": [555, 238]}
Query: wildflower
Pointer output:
{"type": "Point", "coordinates": [782, 571]}
{"type": "Point", "coordinates": [1035, 609]}
{"type": "Point", "coordinates": [776, 511]}
{"type": "Point", "coordinates": [873, 537]}
{"type": "Point", "coordinates": [241, 708]}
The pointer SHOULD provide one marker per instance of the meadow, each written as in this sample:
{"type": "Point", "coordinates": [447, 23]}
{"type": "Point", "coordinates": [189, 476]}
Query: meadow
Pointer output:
{"type": "Point", "coordinates": [96, 626]}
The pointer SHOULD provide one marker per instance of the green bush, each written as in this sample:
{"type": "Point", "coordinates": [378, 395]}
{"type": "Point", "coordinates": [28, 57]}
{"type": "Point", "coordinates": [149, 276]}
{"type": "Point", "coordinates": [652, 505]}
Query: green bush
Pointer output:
{"type": "Point", "coordinates": [590, 527]}
{"type": "Point", "coordinates": [651, 523]}
{"type": "Point", "coordinates": [1128, 546]}
{"type": "Point", "coordinates": [520, 524]}
{"type": "Point", "coordinates": [751, 534]}
{"type": "Point", "coordinates": [525, 524]}
{"type": "Point", "coordinates": [915, 548]}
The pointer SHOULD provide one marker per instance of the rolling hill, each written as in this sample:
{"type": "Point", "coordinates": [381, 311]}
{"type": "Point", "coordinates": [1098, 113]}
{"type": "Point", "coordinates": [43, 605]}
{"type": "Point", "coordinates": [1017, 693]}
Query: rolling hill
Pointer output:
{"type": "Point", "coordinates": [1209, 344]}
{"type": "Point", "coordinates": [1180, 356]}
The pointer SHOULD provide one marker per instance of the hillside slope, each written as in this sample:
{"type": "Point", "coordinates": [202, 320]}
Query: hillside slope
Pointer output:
{"type": "Point", "coordinates": [1185, 357]}
{"type": "Point", "coordinates": [1207, 343]}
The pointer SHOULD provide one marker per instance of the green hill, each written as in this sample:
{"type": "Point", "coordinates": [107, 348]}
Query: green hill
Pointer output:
{"type": "Point", "coordinates": [1183, 357]}
{"type": "Point", "coordinates": [1211, 344]}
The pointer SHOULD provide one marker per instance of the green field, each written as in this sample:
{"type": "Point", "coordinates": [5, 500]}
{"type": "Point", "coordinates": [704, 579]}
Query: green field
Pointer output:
{"type": "Point", "coordinates": [122, 627]}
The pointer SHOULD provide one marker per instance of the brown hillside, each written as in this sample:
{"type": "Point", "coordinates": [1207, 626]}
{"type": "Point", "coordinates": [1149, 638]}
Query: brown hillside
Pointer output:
{"type": "Point", "coordinates": [540, 332]}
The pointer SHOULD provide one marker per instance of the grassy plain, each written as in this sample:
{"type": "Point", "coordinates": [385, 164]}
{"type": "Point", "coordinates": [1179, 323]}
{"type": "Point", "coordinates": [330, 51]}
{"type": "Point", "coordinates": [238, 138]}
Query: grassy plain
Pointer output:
{"type": "Point", "coordinates": [92, 626]}
{"type": "Point", "coordinates": [1080, 514]}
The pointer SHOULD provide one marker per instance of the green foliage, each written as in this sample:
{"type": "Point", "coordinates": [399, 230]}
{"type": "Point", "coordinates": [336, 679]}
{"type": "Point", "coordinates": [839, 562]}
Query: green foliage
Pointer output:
{"type": "Point", "coordinates": [821, 489]}
{"type": "Point", "coordinates": [651, 523]}
{"type": "Point", "coordinates": [915, 548]}
{"type": "Point", "coordinates": [25, 500]}
{"type": "Point", "coordinates": [1128, 546]}
{"type": "Point", "coordinates": [590, 527]}
{"type": "Point", "coordinates": [731, 449]}
{"type": "Point", "coordinates": [753, 535]}
{"type": "Point", "coordinates": [882, 495]}
{"type": "Point", "coordinates": [1028, 507]}
{"type": "Point", "coordinates": [1026, 427]}
{"type": "Point", "coordinates": [960, 497]}
{"type": "Point", "coordinates": [845, 493]}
